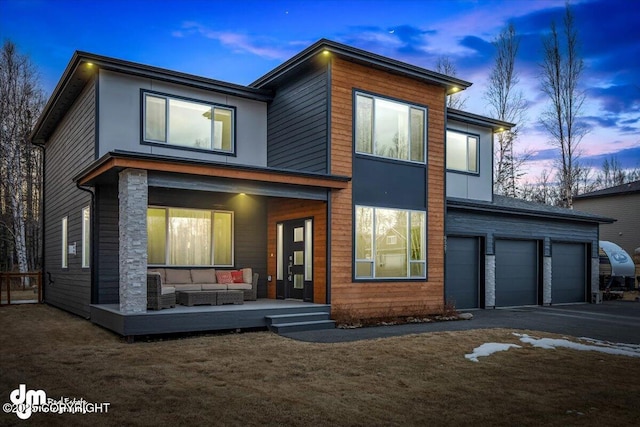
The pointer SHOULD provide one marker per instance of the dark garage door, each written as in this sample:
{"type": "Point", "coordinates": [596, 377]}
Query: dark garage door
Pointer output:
{"type": "Point", "coordinates": [568, 273]}
{"type": "Point", "coordinates": [516, 272]}
{"type": "Point", "coordinates": [463, 273]}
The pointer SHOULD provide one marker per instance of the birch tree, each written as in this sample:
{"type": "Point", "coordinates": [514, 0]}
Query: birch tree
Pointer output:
{"type": "Point", "coordinates": [562, 69]}
{"type": "Point", "coordinates": [445, 66]}
{"type": "Point", "coordinates": [21, 101]}
{"type": "Point", "coordinates": [505, 102]}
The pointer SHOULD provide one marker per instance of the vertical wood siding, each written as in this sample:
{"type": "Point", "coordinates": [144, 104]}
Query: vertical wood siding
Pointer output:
{"type": "Point", "coordinates": [70, 149]}
{"type": "Point", "coordinates": [108, 275]}
{"type": "Point", "coordinates": [373, 299]}
{"type": "Point", "coordinates": [280, 209]}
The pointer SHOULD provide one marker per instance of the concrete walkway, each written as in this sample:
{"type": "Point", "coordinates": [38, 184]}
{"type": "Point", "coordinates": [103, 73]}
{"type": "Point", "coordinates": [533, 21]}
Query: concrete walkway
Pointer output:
{"type": "Point", "coordinates": [614, 321]}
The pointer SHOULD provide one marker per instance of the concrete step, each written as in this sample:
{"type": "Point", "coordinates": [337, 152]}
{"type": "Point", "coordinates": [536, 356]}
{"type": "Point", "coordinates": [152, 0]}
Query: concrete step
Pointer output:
{"type": "Point", "coordinates": [296, 317]}
{"type": "Point", "coordinates": [312, 325]}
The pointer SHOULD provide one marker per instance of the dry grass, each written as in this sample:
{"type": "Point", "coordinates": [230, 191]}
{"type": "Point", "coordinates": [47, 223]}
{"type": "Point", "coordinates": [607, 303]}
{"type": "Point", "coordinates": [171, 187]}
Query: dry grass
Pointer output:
{"type": "Point", "coordinates": [263, 379]}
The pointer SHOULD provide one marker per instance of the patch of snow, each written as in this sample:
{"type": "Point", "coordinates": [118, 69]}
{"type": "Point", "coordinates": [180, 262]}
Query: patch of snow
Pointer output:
{"type": "Point", "coordinates": [487, 349]}
{"type": "Point", "coordinates": [608, 348]}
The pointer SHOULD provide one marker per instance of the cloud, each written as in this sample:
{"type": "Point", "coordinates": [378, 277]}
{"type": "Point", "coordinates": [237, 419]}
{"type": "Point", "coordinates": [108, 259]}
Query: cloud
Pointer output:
{"type": "Point", "coordinates": [629, 158]}
{"type": "Point", "coordinates": [263, 47]}
{"type": "Point", "coordinates": [622, 98]}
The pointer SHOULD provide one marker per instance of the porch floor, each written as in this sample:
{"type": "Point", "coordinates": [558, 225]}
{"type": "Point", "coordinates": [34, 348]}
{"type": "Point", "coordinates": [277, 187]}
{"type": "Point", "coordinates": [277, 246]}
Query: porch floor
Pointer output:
{"type": "Point", "coordinates": [251, 314]}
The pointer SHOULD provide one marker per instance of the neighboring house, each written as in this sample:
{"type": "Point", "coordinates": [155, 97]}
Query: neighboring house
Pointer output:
{"type": "Point", "coordinates": [621, 202]}
{"type": "Point", "coordinates": [317, 161]}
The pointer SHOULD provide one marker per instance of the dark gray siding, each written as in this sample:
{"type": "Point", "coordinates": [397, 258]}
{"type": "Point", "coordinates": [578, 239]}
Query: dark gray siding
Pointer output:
{"type": "Point", "coordinates": [378, 182]}
{"type": "Point", "coordinates": [70, 149]}
{"type": "Point", "coordinates": [106, 244]}
{"type": "Point", "coordinates": [250, 223]}
{"type": "Point", "coordinates": [494, 226]}
{"type": "Point", "coordinates": [297, 128]}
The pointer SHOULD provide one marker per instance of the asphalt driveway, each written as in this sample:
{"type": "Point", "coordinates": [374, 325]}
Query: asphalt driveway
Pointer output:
{"type": "Point", "coordinates": [614, 321]}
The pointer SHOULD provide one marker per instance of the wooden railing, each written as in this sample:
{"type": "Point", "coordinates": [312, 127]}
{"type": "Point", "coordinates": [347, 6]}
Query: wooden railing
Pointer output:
{"type": "Point", "coordinates": [20, 287]}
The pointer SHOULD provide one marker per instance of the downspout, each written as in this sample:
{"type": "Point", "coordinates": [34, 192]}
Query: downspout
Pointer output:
{"type": "Point", "coordinates": [42, 233]}
{"type": "Point", "coordinates": [92, 256]}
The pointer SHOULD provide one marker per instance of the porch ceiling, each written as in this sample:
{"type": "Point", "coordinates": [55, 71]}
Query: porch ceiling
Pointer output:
{"type": "Point", "coordinates": [115, 161]}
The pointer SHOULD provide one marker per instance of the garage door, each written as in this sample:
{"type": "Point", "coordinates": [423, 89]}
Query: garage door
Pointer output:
{"type": "Point", "coordinates": [568, 273]}
{"type": "Point", "coordinates": [463, 272]}
{"type": "Point", "coordinates": [516, 272]}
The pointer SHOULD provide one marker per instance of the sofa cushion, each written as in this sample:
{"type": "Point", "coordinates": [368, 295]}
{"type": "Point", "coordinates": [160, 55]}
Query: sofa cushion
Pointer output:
{"type": "Point", "coordinates": [203, 276]}
{"type": "Point", "coordinates": [214, 287]}
{"type": "Point", "coordinates": [247, 275]}
{"type": "Point", "coordinates": [224, 277]}
{"type": "Point", "coordinates": [187, 287]}
{"type": "Point", "coordinates": [236, 275]}
{"type": "Point", "coordinates": [238, 286]}
{"type": "Point", "coordinates": [161, 271]}
{"type": "Point", "coordinates": [178, 276]}
{"type": "Point", "coordinates": [166, 290]}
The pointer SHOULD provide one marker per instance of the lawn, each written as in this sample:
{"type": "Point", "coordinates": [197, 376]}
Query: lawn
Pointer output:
{"type": "Point", "coordinates": [259, 378]}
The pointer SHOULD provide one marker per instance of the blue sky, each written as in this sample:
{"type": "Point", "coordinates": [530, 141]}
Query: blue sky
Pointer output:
{"type": "Point", "coordinates": [238, 41]}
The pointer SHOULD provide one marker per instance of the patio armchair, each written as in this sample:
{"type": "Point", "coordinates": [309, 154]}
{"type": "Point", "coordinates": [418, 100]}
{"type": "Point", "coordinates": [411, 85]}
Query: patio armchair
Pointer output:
{"type": "Point", "coordinates": [158, 296]}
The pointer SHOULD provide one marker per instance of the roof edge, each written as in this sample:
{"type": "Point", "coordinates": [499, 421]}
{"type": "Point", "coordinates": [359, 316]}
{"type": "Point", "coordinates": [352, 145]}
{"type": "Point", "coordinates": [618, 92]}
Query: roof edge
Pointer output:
{"type": "Point", "coordinates": [476, 119]}
{"type": "Point", "coordinates": [361, 55]}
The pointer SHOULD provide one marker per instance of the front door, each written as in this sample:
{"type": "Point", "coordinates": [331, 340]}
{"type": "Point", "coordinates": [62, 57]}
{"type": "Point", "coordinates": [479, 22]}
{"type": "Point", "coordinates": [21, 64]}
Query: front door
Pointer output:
{"type": "Point", "coordinates": [296, 281]}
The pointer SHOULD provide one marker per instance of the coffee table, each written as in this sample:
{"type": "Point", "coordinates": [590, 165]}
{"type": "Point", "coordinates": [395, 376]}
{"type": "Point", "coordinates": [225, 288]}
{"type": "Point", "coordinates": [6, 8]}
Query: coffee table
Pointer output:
{"type": "Point", "coordinates": [190, 298]}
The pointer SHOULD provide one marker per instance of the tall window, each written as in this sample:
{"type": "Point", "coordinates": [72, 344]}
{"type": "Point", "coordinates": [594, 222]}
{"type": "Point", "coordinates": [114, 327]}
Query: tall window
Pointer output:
{"type": "Point", "coordinates": [389, 129]}
{"type": "Point", "coordinates": [188, 123]}
{"type": "Point", "coordinates": [65, 242]}
{"type": "Point", "coordinates": [86, 238]}
{"type": "Point", "coordinates": [390, 243]}
{"type": "Point", "coordinates": [177, 236]}
{"type": "Point", "coordinates": [462, 152]}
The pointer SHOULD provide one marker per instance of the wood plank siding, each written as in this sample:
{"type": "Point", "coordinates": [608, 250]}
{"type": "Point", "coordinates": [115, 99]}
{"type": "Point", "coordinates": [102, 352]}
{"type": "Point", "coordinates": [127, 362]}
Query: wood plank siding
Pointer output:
{"type": "Point", "coordinates": [377, 298]}
{"type": "Point", "coordinates": [70, 149]}
{"type": "Point", "coordinates": [297, 122]}
{"type": "Point", "coordinates": [108, 274]}
{"type": "Point", "coordinates": [281, 209]}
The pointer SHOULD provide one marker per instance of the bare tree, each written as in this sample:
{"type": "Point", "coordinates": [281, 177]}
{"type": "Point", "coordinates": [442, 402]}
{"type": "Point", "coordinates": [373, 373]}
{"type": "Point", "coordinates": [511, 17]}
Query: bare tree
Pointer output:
{"type": "Point", "coordinates": [562, 69]}
{"type": "Point", "coordinates": [544, 190]}
{"type": "Point", "coordinates": [506, 103]}
{"type": "Point", "coordinates": [21, 101]}
{"type": "Point", "coordinates": [445, 66]}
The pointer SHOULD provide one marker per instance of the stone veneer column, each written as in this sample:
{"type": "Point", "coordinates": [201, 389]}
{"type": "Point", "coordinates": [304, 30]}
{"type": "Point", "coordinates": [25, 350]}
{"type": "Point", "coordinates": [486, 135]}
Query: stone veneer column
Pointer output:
{"type": "Point", "coordinates": [133, 201]}
{"type": "Point", "coordinates": [490, 281]}
{"type": "Point", "coordinates": [547, 276]}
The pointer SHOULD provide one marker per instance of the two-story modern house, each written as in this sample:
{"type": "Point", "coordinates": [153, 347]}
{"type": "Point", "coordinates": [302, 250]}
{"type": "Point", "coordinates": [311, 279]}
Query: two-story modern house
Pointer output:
{"type": "Point", "coordinates": [329, 177]}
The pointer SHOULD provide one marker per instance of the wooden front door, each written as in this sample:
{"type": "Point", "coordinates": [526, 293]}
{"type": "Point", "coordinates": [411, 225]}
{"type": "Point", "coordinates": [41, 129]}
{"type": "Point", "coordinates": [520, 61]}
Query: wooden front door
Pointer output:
{"type": "Point", "coordinates": [296, 260]}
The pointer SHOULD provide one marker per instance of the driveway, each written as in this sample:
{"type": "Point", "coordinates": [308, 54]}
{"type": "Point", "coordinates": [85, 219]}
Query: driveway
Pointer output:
{"type": "Point", "coordinates": [614, 321]}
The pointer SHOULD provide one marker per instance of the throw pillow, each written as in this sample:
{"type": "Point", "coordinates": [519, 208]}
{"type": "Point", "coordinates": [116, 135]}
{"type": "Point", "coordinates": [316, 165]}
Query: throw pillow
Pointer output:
{"type": "Point", "coordinates": [224, 277]}
{"type": "Point", "coordinates": [237, 276]}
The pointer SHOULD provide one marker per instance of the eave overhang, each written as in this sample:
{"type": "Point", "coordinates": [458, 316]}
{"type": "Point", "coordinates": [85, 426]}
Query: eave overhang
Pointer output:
{"type": "Point", "coordinates": [478, 120]}
{"type": "Point", "coordinates": [533, 212]}
{"type": "Point", "coordinates": [328, 47]}
{"type": "Point", "coordinates": [119, 160]}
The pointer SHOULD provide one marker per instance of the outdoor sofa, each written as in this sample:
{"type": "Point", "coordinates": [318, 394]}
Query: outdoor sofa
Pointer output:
{"type": "Point", "coordinates": [164, 283]}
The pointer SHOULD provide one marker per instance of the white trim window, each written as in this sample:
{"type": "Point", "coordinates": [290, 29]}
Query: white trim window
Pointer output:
{"type": "Point", "coordinates": [65, 242]}
{"type": "Point", "coordinates": [390, 243]}
{"type": "Point", "coordinates": [86, 237]}
{"type": "Point", "coordinates": [462, 152]}
{"type": "Point", "coordinates": [189, 237]}
{"type": "Point", "coordinates": [391, 129]}
{"type": "Point", "coordinates": [188, 123]}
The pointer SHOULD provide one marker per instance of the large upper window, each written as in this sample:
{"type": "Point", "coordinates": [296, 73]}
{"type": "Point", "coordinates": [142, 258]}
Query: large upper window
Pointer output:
{"type": "Point", "coordinates": [390, 243]}
{"type": "Point", "coordinates": [390, 129]}
{"type": "Point", "coordinates": [462, 152]}
{"type": "Point", "coordinates": [188, 123]}
{"type": "Point", "coordinates": [189, 237]}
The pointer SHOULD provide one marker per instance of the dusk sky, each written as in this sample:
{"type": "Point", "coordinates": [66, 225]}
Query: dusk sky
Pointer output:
{"type": "Point", "coordinates": [239, 41]}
